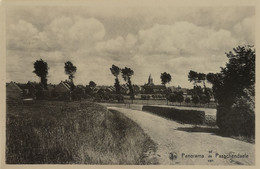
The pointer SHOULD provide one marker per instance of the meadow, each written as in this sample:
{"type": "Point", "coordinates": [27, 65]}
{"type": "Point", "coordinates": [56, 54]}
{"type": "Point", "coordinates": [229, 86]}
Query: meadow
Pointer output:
{"type": "Point", "coordinates": [56, 132]}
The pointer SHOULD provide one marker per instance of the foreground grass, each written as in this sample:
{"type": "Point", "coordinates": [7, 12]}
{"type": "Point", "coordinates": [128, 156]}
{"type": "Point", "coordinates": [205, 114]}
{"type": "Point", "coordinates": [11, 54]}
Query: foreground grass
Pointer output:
{"type": "Point", "coordinates": [73, 133]}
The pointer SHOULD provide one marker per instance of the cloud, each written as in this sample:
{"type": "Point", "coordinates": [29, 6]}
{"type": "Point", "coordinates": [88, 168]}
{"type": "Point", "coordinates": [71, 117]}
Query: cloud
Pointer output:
{"type": "Point", "coordinates": [23, 35]}
{"type": "Point", "coordinates": [146, 39]}
{"type": "Point", "coordinates": [179, 48]}
{"type": "Point", "coordinates": [73, 33]}
{"type": "Point", "coordinates": [117, 47]}
{"type": "Point", "coordinates": [245, 30]}
{"type": "Point", "coordinates": [63, 33]}
{"type": "Point", "coordinates": [183, 38]}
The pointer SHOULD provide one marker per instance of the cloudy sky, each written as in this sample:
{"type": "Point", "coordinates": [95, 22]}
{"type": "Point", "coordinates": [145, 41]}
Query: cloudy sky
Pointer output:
{"type": "Point", "coordinates": [146, 39]}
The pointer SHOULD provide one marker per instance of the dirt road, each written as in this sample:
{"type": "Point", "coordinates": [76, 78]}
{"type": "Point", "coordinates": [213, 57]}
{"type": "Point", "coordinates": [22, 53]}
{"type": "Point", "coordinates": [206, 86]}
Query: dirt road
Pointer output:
{"type": "Point", "coordinates": [178, 140]}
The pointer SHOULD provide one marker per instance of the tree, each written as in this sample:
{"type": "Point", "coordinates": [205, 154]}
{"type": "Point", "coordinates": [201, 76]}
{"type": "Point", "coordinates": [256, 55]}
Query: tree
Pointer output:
{"type": "Point", "coordinates": [216, 80]}
{"type": "Point", "coordinates": [172, 97]}
{"type": "Point", "coordinates": [165, 78]}
{"type": "Point", "coordinates": [126, 74]}
{"type": "Point", "coordinates": [92, 84]}
{"type": "Point", "coordinates": [195, 99]}
{"type": "Point", "coordinates": [187, 100]}
{"type": "Point", "coordinates": [207, 95]}
{"type": "Point", "coordinates": [196, 77]}
{"type": "Point", "coordinates": [41, 70]}
{"type": "Point", "coordinates": [180, 97]}
{"type": "Point", "coordinates": [193, 77]}
{"type": "Point", "coordinates": [230, 87]}
{"type": "Point", "coordinates": [201, 78]}
{"type": "Point", "coordinates": [176, 96]}
{"type": "Point", "coordinates": [70, 70]}
{"type": "Point", "coordinates": [115, 71]}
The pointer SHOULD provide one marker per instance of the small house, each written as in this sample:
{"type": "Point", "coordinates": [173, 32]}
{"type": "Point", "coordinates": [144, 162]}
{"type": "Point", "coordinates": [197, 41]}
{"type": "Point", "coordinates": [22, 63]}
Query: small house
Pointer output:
{"type": "Point", "coordinates": [62, 88]}
{"type": "Point", "coordinates": [13, 91]}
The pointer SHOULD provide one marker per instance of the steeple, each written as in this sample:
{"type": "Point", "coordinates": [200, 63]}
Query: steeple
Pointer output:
{"type": "Point", "coordinates": [150, 80]}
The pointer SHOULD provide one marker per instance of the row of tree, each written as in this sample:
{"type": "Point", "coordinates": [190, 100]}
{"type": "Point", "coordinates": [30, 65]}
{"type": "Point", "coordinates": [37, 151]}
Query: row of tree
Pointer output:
{"type": "Point", "coordinates": [127, 73]}
{"type": "Point", "coordinates": [41, 70]}
{"type": "Point", "coordinates": [200, 93]}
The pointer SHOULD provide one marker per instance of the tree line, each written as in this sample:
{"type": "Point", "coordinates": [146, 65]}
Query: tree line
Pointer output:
{"type": "Point", "coordinates": [233, 88]}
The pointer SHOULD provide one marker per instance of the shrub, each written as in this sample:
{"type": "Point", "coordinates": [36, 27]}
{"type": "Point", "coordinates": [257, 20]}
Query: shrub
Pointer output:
{"type": "Point", "coordinates": [195, 99]}
{"type": "Point", "coordinates": [172, 97]}
{"type": "Point", "coordinates": [240, 119]}
{"type": "Point", "coordinates": [187, 100]}
{"type": "Point", "coordinates": [184, 116]}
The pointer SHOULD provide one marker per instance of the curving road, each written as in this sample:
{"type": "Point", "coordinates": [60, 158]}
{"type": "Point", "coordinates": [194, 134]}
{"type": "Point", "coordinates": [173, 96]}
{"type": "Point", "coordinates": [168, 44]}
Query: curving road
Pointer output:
{"type": "Point", "coordinates": [175, 139]}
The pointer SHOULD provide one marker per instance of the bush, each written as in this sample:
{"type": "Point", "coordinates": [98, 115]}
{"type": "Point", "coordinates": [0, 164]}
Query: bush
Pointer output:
{"type": "Point", "coordinates": [239, 120]}
{"type": "Point", "coordinates": [184, 116]}
{"type": "Point", "coordinates": [172, 97]}
{"type": "Point", "coordinates": [195, 99]}
{"type": "Point", "coordinates": [187, 100]}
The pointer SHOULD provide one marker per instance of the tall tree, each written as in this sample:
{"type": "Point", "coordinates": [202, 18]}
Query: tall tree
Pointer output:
{"type": "Point", "coordinates": [115, 71]}
{"type": "Point", "coordinates": [201, 78]}
{"type": "Point", "coordinates": [126, 74]}
{"type": "Point", "coordinates": [193, 77]}
{"type": "Point", "coordinates": [235, 110]}
{"type": "Point", "coordinates": [70, 70]}
{"type": "Point", "coordinates": [165, 78]}
{"type": "Point", "coordinates": [41, 70]}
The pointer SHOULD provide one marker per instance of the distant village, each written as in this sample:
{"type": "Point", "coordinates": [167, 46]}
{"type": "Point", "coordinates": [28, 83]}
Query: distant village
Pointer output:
{"type": "Point", "coordinates": [66, 91]}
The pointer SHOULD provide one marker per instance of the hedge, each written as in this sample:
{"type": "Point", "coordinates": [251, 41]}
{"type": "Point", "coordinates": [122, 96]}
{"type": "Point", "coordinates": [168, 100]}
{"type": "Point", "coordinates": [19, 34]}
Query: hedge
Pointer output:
{"type": "Point", "coordinates": [183, 116]}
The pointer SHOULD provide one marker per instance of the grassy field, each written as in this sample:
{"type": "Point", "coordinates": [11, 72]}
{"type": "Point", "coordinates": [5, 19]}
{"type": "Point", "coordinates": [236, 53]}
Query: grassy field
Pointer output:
{"type": "Point", "coordinates": [48, 132]}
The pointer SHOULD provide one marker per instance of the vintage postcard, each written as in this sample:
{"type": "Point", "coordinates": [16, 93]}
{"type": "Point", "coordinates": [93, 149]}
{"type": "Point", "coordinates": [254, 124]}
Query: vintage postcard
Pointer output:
{"type": "Point", "coordinates": [147, 83]}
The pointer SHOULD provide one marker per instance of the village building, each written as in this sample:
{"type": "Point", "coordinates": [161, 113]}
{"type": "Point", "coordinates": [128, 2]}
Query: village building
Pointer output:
{"type": "Point", "coordinates": [64, 87]}
{"type": "Point", "coordinates": [13, 91]}
{"type": "Point", "coordinates": [151, 88]}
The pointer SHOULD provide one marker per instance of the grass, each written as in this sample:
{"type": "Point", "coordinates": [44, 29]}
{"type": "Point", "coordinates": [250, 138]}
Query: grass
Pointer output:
{"type": "Point", "coordinates": [48, 132]}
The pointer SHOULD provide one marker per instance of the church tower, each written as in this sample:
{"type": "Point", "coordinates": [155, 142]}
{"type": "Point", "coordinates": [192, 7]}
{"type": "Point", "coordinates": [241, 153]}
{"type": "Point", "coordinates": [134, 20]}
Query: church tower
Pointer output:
{"type": "Point", "coordinates": [150, 80]}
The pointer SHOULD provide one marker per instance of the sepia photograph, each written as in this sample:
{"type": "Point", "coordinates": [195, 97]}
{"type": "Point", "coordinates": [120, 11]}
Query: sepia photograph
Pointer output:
{"type": "Point", "coordinates": [120, 84]}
